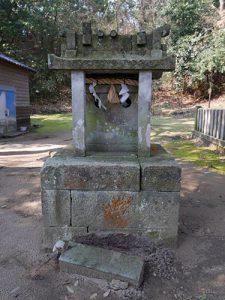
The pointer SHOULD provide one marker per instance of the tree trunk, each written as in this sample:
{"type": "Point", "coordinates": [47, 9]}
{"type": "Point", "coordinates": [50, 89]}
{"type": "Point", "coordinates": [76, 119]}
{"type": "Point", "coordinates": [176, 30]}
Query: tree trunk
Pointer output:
{"type": "Point", "coordinates": [221, 5]}
{"type": "Point", "coordinates": [210, 93]}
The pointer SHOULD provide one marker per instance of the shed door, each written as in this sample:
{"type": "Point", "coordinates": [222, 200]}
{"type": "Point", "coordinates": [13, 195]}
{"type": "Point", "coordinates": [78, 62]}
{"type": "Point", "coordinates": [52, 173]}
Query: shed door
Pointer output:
{"type": "Point", "coordinates": [7, 105]}
{"type": "Point", "coordinates": [10, 104]}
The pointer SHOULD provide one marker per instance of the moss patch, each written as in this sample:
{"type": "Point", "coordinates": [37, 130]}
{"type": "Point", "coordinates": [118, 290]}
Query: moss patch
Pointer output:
{"type": "Point", "coordinates": [153, 234]}
{"type": "Point", "coordinates": [52, 123]}
{"type": "Point", "coordinates": [200, 156]}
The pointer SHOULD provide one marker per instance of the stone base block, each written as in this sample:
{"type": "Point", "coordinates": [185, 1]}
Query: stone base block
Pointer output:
{"type": "Point", "coordinates": [111, 193]}
{"type": "Point", "coordinates": [160, 176]}
{"type": "Point", "coordinates": [51, 235]}
{"type": "Point", "coordinates": [159, 172]}
{"type": "Point", "coordinates": [56, 207]}
{"type": "Point", "coordinates": [154, 214]}
{"type": "Point", "coordinates": [65, 171]}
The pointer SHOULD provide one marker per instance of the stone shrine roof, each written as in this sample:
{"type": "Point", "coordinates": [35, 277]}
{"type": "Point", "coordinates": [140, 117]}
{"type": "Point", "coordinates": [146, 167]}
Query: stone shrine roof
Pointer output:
{"type": "Point", "coordinates": [113, 53]}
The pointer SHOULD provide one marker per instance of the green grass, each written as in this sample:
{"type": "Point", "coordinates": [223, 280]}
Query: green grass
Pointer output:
{"type": "Point", "coordinates": [52, 123]}
{"type": "Point", "coordinates": [167, 127]}
{"type": "Point", "coordinates": [162, 126]}
{"type": "Point", "coordinates": [200, 156]}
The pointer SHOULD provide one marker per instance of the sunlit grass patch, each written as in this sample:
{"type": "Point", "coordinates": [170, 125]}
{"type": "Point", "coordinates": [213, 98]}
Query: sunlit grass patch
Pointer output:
{"type": "Point", "coordinates": [201, 156]}
{"type": "Point", "coordinates": [52, 123]}
{"type": "Point", "coordinates": [165, 127]}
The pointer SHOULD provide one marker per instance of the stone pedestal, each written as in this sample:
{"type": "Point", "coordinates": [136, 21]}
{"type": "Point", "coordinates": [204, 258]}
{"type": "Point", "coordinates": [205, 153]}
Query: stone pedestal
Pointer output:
{"type": "Point", "coordinates": [110, 192]}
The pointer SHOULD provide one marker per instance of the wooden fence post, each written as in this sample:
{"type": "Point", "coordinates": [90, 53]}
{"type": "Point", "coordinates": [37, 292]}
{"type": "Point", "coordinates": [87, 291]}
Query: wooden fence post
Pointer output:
{"type": "Point", "coordinates": [197, 117]}
{"type": "Point", "coordinates": [222, 133]}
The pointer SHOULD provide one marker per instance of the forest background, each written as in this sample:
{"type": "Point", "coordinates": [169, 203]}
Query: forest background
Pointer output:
{"type": "Point", "coordinates": [29, 30]}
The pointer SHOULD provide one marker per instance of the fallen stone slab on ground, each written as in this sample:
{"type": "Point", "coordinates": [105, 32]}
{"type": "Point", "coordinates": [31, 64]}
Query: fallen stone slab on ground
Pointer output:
{"type": "Point", "coordinates": [102, 263]}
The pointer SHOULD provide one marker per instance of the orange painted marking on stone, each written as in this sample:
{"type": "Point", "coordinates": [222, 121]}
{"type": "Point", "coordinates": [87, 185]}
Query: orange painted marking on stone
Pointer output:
{"type": "Point", "coordinates": [154, 149]}
{"type": "Point", "coordinates": [115, 212]}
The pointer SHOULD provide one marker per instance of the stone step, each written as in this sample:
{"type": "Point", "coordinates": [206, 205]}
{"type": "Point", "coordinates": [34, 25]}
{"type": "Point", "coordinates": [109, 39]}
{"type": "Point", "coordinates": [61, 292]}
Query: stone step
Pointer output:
{"type": "Point", "coordinates": [102, 263]}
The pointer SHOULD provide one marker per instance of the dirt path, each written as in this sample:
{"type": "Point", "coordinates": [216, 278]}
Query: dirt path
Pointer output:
{"type": "Point", "coordinates": [23, 275]}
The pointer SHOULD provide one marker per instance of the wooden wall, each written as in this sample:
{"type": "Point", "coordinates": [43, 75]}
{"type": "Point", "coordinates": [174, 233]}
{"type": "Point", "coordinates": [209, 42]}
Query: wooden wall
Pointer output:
{"type": "Point", "coordinates": [17, 78]}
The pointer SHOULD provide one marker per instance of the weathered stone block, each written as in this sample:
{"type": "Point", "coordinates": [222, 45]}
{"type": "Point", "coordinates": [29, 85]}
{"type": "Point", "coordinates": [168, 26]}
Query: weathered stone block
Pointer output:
{"type": "Point", "coordinates": [51, 235]}
{"type": "Point", "coordinates": [104, 210]}
{"type": "Point", "coordinates": [156, 54]}
{"type": "Point", "coordinates": [162, 175]}
{"type": "Point", "coordinates": [70, 53]}
{"type": "Point", "coordinates": [141, 38]}
{"type": "Point", "coordinates": [134, 212]}
{"type": "Point", "coordinates": [56, 207]}
{"type": "Point", "coordinates": [101, 193]}
{"type": "Point", "coordinates": [65, 171]}
{"type": "Point", "coordinates": [102, 263]}
{"type": "Point", "coordinates": [114, 64]}
{"type": "Point", "coordinates": [87, 34]}
{"type": "Point", "coordinates": [70, 40]}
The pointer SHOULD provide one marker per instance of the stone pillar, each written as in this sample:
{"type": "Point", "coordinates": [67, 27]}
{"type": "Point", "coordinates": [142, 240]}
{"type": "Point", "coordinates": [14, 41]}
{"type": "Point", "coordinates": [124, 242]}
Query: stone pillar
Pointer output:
{"type": "Point", "coordinates": [144, 112]}
{"type": "Point", "coordinates": [78, 110]}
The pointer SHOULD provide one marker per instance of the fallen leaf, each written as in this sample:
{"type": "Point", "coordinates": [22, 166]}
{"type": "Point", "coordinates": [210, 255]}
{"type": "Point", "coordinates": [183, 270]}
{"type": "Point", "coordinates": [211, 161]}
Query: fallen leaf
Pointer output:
{"type": "Point", "coordinates": [93, 296]}
{"type": "Point", "coordinates": [106, 294]}
{"type": "Point", "coordinates": [67, 282]}
{"type": "Point", "coordinates": [70, 290]}
{"type": "Point", "coordinates": [15, 290]}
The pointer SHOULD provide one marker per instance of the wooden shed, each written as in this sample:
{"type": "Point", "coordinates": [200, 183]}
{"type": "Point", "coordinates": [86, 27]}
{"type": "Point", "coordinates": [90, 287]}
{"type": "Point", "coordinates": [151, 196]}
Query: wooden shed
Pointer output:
{"type": "Point", "coordinates": [14, 94]}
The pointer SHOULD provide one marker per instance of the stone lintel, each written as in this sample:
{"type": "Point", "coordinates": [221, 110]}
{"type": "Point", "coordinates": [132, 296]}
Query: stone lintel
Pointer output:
{"type": "Point", "coordinates": [164, 64]}
{"type": "Point", "coordinates": [102, 263]}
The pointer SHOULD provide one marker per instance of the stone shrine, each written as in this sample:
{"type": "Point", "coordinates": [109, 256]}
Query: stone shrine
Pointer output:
{"type": "Point", "coordinates": [111, 179]}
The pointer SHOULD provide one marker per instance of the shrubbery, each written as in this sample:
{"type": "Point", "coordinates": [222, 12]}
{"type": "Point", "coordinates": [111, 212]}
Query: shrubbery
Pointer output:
{"type": "Point", "coordinates": [199, 45]}
{"type": "Point", "coordinates": [30, 30]}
